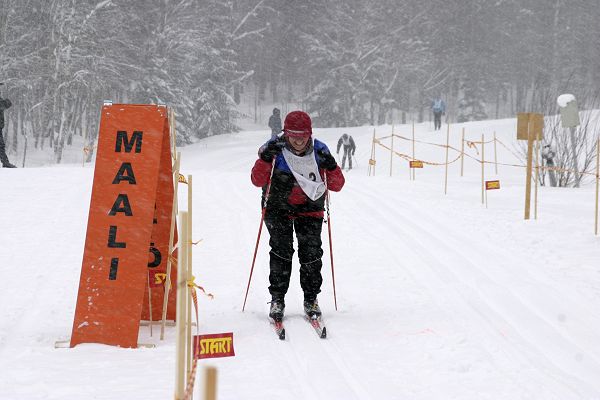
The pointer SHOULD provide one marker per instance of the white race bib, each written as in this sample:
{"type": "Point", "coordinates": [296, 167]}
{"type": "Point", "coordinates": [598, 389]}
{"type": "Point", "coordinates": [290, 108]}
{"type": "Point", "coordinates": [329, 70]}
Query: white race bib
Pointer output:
{"type": "Point", "coordinates": [306, 172]}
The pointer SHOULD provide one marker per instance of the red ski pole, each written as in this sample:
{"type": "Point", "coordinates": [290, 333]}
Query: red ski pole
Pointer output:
{"type": "Point", "coordinates": [262, 218]}
{"type": "Point", "coordinates": [330, 243]}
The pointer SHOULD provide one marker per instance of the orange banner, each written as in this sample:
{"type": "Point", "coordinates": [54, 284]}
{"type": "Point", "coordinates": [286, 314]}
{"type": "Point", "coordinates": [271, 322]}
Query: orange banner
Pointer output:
{"type": "Point", "coordinates": [416, 164]}
{"type": "Point", "coordinates": [492, 185]}
{"type": "Point", "coordinates": [159, 243]}
{"type": "Point", "coordinates": [128, 172]}
{"type": "Point", "coordinates": [214, 345]}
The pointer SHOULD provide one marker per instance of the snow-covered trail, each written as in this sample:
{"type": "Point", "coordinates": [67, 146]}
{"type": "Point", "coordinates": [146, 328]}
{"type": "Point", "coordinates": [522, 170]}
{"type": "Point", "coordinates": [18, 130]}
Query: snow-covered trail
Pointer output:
{"type": "Point", "coordinates": [438, 297]}
{"type": "Point", "coordinates": [394, 258]}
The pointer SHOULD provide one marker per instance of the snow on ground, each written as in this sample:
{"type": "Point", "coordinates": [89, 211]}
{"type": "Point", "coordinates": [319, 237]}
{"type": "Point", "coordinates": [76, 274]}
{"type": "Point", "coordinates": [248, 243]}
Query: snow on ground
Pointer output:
{"type": "Point", "coordinates": [439, 297]}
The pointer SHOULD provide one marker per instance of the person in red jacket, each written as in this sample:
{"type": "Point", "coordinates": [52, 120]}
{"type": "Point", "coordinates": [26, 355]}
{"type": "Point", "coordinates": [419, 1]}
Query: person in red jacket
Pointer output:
{"type": "Point", "coordinates": [297, 171]}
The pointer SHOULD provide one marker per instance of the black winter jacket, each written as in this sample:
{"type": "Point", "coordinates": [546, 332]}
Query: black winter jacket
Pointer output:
{"type": "Point", "coordinates": [4, 104]}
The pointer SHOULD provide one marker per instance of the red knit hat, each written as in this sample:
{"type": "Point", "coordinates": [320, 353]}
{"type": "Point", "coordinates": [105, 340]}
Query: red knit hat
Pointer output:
{"type": "Point", "coordinates": [297, 124]}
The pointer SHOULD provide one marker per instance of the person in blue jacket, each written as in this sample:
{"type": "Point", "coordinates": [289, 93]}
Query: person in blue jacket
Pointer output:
{"type": "Point", "coordinates": [438, 106]}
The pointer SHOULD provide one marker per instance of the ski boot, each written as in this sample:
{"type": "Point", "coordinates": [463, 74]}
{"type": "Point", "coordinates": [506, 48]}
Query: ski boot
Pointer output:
{"type": "Point", "coordinates": [276, 310]}
{"type": "Point", "coordinates": [312, 309]}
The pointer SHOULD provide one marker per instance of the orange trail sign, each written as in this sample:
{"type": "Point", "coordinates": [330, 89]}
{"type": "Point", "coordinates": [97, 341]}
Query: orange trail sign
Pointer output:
{"type": "Point", "coordinates": [492, 185]}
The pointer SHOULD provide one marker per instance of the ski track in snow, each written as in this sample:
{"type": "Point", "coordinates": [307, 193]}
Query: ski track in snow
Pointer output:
{"type": "Point", "coordinates": [479, 292]}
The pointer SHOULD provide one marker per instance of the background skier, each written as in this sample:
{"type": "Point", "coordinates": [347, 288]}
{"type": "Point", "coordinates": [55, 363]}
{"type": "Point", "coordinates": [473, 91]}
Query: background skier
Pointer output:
{"type": "Point", "coordinates": [4, 104]}
{"type": "Point", "coordinates": [349, 149]}
{"type": "Point", "coordinates": [303, 170]}
{"type": "Point", "coordinates": [275, 123]}
{"type": "Point", "coordinates": [548, 156]}
{"type": "Point", "coordinates": [438, 107]}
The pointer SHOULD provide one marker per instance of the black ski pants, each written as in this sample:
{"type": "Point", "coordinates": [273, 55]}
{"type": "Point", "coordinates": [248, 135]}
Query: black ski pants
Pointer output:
{"type": "Point", "coordinates": [3, 157]}
{"type": "Point", "coordinates": [437, 120]}
{"type": "Point", "coordinates": [347, 153]}
{"type": "Point", "coordinates": [308, 233]}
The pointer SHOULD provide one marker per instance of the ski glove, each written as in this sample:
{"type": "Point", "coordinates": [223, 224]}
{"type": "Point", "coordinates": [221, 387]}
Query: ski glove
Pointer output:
{"type": "Point", "coordinates": [327, 160]}
{"type": "Point", "coordinates": [271, 150]}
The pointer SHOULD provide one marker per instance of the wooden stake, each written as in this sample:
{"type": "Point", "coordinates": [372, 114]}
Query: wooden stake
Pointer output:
{"type": "Point", "coordinates": [392, 152]}
{"type": "Point", "coordinates": [174, 211]}
{"type": "Point", "coordinates": [189, 273]}
{"type": "Point", "coordinates": [495, 154]}
{"type": "Point", "coordinates": [462, 153]}
{"type": "Point", "coordinates": [372, 167]}
{"type": "Point", "coordinates": [537, 175]}
{"type": "Point", "coordinates": [84, 147]}
{"type": "Point", "coordinates": [413, 152]}
{"type": "Point", "coordinates": [483, 191]}
{"type": "Point", "coordinates": [180, 342]}
{"type": "Point", "coordinates": [597, 184]}
{"type": "Point", "coordinates": [210, 385]}
{"type": "Point", "coordinates": [447, 149]}
{"type": "Point", "coordinates": [528, 172]}
{"type": "Point", "coordinates": [149, 301]}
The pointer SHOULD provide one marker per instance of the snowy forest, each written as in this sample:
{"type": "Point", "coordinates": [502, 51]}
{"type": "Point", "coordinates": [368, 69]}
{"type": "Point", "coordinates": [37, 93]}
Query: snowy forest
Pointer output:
{"type": "Point", "coordinates": [346, 62]}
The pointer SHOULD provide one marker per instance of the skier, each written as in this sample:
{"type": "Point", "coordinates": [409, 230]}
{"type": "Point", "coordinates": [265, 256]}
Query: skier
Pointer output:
{"type": "Point", "coordinates": [275, 123]}
{"type": "Point", "coordinates": [548, 156]}
{"type": "Point", "coordinates": [349, 147]}
{"type": "Point", "coordinates": [438, 106]}
{"type": "Point", "coordinates": [4, 104]}
{"type": "Point", "coordinates": [303, 169]}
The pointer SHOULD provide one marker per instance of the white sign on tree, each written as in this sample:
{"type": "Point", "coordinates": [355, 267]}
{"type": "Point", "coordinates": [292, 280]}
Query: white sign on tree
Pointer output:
{"type": "Point", "coordinates": [569, 116]}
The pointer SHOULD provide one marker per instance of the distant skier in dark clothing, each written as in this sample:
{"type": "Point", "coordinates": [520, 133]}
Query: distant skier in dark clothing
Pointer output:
{"type": "Point", "coordinates": [4, 104]}
{"type": "Point", "coordinates": [548, 156]}
{"type": "Point", "coordinates": [438, 107]}
{"type": "Point", "coordinates": [275, 123]}
{"type": "Point", "coordinates": [349, 149]}
{"type": "Point", "coordinates": [303, 170]}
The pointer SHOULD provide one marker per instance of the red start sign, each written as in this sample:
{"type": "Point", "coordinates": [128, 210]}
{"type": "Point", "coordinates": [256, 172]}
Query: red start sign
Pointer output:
{"type": "Point", "coordinates": [214, 345]}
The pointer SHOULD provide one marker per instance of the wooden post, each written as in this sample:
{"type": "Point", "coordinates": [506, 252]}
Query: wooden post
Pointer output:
{"type": "Point", "coordinates": [149, 300]}
{"type": "Point", "coordinates": [210, 383]}
{"type": "Point", "coordinates": [372, 167]}
{"type": "Point", "coordinates": [537, 174]}
{"type": "Point", "coordinates": [171, 239]}
{"type": "Point", "coordinates": [182, 294]}
{"type": "Point", "coordinates": [483, 170]}
{"type": "Point", "coordinates": [374, 151]}
{"type": "Point", "coordinates": [174, 210]}
{"type": "Point", "coordinates": [528, 173]}
{"type": "Point", "coordinates": [255, 104]}
{"type": "Point", "coordinates": [495, 154]}
{"type": "Point", "coordinates": [189, 273]}
{"type": "Point", "coordinates": [392, 152]}
{"type": "Point", "coordinates": [462, 153]}
{"type": "Point", "coordinates": [597, 184]}
{"type": "Point", "coordinates": [413, 151]}
{"type": "Point", "coordinates": [84, 148]}
{"type": "Point", "coordinates": [447, 149]}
